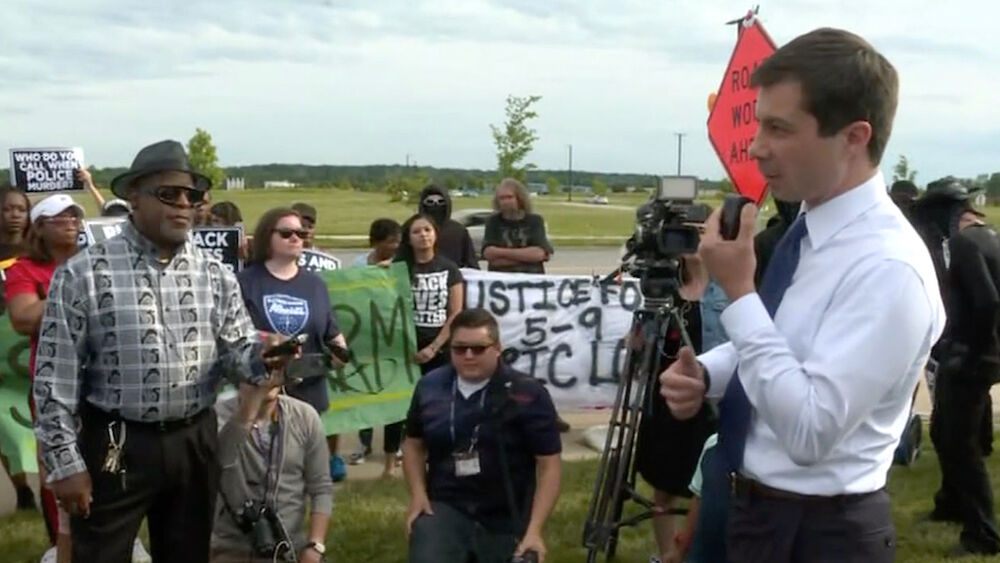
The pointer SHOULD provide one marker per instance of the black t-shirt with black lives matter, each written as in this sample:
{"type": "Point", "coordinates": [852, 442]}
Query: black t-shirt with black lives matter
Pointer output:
{"type": "Point", "coordinates": [430, 284]}
{"type": "Point", "coordinates": [518, 233]}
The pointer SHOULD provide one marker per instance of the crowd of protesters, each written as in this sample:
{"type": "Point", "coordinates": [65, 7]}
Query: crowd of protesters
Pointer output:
{"type": "Point", "coordinates": [811, 336]}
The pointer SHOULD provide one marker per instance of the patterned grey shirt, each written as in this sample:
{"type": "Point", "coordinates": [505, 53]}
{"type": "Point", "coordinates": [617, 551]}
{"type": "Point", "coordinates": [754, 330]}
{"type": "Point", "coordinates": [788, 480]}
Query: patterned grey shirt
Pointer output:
{"type": "Point", "coordinates": [140, 339]}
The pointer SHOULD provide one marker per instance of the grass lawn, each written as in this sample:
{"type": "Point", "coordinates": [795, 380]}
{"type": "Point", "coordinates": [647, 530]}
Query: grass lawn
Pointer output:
{"type": "Point", "coordinates": [351, 212]}
{"type": "Point", "coordinates": [368, 521]}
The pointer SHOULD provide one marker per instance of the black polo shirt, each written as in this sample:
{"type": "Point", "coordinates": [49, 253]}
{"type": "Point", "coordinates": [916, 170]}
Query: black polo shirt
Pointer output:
{"type": "Point", "coordinates": [528, 429]}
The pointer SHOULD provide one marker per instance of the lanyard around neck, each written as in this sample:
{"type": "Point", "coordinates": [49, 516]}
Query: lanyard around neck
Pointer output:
{"type": "Point", "coordinates": [451, 419]}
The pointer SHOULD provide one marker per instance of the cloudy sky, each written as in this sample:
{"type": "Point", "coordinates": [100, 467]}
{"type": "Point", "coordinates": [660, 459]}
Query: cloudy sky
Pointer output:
{"type": "Point", "coordinates": [367, 82]}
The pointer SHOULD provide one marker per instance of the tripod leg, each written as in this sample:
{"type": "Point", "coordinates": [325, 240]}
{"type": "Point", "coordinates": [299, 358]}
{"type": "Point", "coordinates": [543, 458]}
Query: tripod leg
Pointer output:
{"type": "Point", "coordinates": [608, 480]}
{"type": "Point", "coordinates": [625, 479]}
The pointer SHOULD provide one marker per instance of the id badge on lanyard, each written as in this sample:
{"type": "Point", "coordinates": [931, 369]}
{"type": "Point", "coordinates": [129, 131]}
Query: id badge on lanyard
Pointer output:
{"type": "Point", "coordinates": [466, 462]}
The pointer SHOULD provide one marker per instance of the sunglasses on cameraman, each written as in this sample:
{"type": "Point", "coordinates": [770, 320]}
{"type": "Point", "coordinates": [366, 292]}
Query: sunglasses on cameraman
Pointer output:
{"type": "Point", "coordinates": [287, 233]}
{"type": "Point", "coordinates": [171, 195]}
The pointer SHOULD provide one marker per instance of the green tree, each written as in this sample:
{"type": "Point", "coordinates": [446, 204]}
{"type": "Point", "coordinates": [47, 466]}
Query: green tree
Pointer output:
{"type": "Point", "coordinates": [201, 153]}
{"type": "Point", "coordinates": [514, 139]}
{"type": "Point", "coordinates": [902, 170]}
{"type": "Point", "coordinates": [599, 187]}
{"type": "Point", "coordinates": [553, 185]}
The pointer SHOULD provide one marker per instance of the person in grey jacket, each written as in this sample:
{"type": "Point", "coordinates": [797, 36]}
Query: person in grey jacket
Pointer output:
{"type": "Point", "coordinates": [273, 452]}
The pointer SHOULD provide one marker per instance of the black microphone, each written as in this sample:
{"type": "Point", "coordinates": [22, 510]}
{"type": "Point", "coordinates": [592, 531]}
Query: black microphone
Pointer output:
{"type": "Point", "coordinates": [729, 223]}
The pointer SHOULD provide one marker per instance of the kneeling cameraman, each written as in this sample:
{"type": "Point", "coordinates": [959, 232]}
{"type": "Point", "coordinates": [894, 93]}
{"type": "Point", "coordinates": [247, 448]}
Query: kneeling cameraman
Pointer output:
{"type": "Point", "coordinates": [273, 454]}
{"type": "Point", "coordinates": [477, 432]}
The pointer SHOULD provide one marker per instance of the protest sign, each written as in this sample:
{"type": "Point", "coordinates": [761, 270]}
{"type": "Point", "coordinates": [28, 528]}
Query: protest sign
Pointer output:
{"type": "Point", "coordinates": [221, 242]}
{"type": "Point", "coordinates": [17, 437]}
{"type": "Point", "coordinates": [732, 122]}
{"type": "Point", "coordinates": [46, 170]}
{"type": "Point", "coordinates": [316, 261]}
{"type": "Point", "coordinates": [101, 229]}
{"type": "Point", "coordinates": [566, 331]}
{"type": "Point", "coordinates": [374, 308]}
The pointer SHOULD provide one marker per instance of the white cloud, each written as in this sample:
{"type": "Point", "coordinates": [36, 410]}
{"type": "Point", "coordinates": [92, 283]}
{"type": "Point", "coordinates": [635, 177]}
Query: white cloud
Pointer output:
{"type": "Point", "coordinates": [368, 82]}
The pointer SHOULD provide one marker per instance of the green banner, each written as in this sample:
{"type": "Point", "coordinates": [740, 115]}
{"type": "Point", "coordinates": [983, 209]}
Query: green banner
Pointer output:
{"type": "Point", "coordinates": [17, 438]}
{"type": "Point", "coordinates": [374, 308]}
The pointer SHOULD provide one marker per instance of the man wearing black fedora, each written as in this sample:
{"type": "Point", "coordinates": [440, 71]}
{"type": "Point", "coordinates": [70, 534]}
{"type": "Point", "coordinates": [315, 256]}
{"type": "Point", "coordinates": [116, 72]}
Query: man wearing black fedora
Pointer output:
{"type": "Point", "coordinates": [966, 253]}
{"type": "Point", "coordinates": [137, 332]}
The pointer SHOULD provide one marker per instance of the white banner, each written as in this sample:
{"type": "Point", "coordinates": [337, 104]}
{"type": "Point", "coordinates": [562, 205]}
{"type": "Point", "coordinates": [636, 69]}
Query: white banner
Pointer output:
{"type": "Point", "coordinates": [566, 331]}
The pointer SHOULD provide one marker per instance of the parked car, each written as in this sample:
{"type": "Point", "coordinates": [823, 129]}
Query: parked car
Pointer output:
{"type": "Point", "coordinates": [462, 192]}
{"type": "Point", "coordinates": [474, 220]}
{"type": "Point", "coordinates": [598, 200]}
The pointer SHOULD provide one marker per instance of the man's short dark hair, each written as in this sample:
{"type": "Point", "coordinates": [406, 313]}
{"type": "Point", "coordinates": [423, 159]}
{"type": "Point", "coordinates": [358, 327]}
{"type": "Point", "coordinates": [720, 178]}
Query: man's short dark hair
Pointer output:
{"type": "Point", "coordinates": [904, 188]}
{"type": "Point", "coordinates": [228, 211]}
{"type": "Point", "coordinates": [844, 79]}
{"type": "Point", "coordinates": [477, 318]}
{"type": "Point", "coordinates": [305, 211]}
{"type": "Point", "coordinates": [383, 229]}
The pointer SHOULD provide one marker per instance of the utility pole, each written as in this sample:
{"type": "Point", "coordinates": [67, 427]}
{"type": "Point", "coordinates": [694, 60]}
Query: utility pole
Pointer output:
{"type": "Point", "coordinates": [680, 143]}
{"type": "Point", "coordinates": [569, 196]}
{"type": "Point", "coordinates": [407, 160]}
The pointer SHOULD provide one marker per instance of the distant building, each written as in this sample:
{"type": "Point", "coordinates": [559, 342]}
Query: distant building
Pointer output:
{"type": "Point", "coordinates": [537, 188]}
{"type": "Point", "coordinates": [279, 184]}
{"type": "Point", "coordinates": [236, 183]}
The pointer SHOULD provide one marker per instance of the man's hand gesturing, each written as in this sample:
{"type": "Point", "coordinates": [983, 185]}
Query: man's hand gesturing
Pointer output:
{"type": "Point", "coordinates": [683, 385]}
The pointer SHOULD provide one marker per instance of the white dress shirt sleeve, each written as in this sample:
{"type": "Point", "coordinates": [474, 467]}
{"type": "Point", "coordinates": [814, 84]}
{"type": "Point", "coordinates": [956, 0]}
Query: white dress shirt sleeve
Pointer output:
{"type": "Point", "coordinates": [871, 331]}
{"type": "Point", "coordinates": [720, 363]}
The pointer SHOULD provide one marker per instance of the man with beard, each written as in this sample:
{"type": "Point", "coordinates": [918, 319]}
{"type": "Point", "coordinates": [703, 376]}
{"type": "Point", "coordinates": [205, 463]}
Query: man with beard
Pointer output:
{"type": "Point", "coordinates": [454, 242]}
{"type": "Point", "coordinates": [515, 238]}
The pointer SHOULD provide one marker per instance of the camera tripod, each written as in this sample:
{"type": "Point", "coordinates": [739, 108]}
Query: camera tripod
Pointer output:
{"type": "Point", "coordinates": [615, 482]}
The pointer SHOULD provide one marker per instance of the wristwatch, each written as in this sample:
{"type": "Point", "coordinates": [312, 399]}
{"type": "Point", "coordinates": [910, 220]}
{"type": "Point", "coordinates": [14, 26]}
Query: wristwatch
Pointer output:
{"type": "Point", "coordinates": [317, 546]}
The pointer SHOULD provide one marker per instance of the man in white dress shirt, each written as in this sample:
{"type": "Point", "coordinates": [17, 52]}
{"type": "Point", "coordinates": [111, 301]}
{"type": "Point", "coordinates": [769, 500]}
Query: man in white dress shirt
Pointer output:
{"type": "Point", "coordinates": [815, 383]}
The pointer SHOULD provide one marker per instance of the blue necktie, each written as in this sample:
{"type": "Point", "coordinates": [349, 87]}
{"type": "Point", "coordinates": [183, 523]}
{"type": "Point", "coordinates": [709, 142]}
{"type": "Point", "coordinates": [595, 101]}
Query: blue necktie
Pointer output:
{"type": "Point", "coordinates": [735, 409]}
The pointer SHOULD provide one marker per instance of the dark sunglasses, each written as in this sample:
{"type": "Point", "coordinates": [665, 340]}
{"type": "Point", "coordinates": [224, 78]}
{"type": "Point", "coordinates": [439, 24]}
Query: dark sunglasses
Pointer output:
{"type": "Point", "coordinates": [287, 233]}
{"type": "Point", "coordinates": [476, 349]}
{"type": "Point", "coordinates": [171, 195]}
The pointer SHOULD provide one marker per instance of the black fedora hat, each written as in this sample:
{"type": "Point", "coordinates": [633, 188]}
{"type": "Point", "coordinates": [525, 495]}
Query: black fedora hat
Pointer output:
{"type": "Point", "coordinates": [163, 156]}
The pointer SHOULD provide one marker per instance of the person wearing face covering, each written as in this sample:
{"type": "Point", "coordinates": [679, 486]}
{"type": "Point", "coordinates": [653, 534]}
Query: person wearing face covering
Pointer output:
{"type": "Point", "coordinates": [966, 254]}
{"type": "Point", "coordinates": [454, 242]}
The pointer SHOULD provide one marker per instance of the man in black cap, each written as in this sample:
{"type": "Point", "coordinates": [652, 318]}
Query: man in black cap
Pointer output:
{"type": "Point", "coordinates": [137, 331]}
{"type": "Point", "coordinates": [967, 255]}
{"type": "Point", "coordinates": [454, 242]}
{"type": "Point", "coordinates": [308, 214]}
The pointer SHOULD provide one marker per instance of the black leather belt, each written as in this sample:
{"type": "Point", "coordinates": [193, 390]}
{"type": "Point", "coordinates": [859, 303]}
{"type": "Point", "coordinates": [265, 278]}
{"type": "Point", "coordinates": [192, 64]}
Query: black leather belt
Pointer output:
{"type": "Point", "coordinates": [163, 426]}
{"type": "Point", "coordinates": [744, 487]}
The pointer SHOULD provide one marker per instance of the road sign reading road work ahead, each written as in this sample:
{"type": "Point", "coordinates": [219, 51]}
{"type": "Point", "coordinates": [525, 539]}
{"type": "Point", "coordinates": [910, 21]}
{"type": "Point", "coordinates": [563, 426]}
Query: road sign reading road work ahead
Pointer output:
{"type": "Point", "coordinates": [732, 122]}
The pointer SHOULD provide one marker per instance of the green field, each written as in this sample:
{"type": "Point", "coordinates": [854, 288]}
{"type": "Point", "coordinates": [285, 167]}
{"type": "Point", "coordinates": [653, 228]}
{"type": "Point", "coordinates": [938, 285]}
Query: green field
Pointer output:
{"type": "Point", "coordinates": [368, 518]}
{"type": "Point", "coordinates": [348, 214]}
{"type": "Point", "coordinates": [343, 212]}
